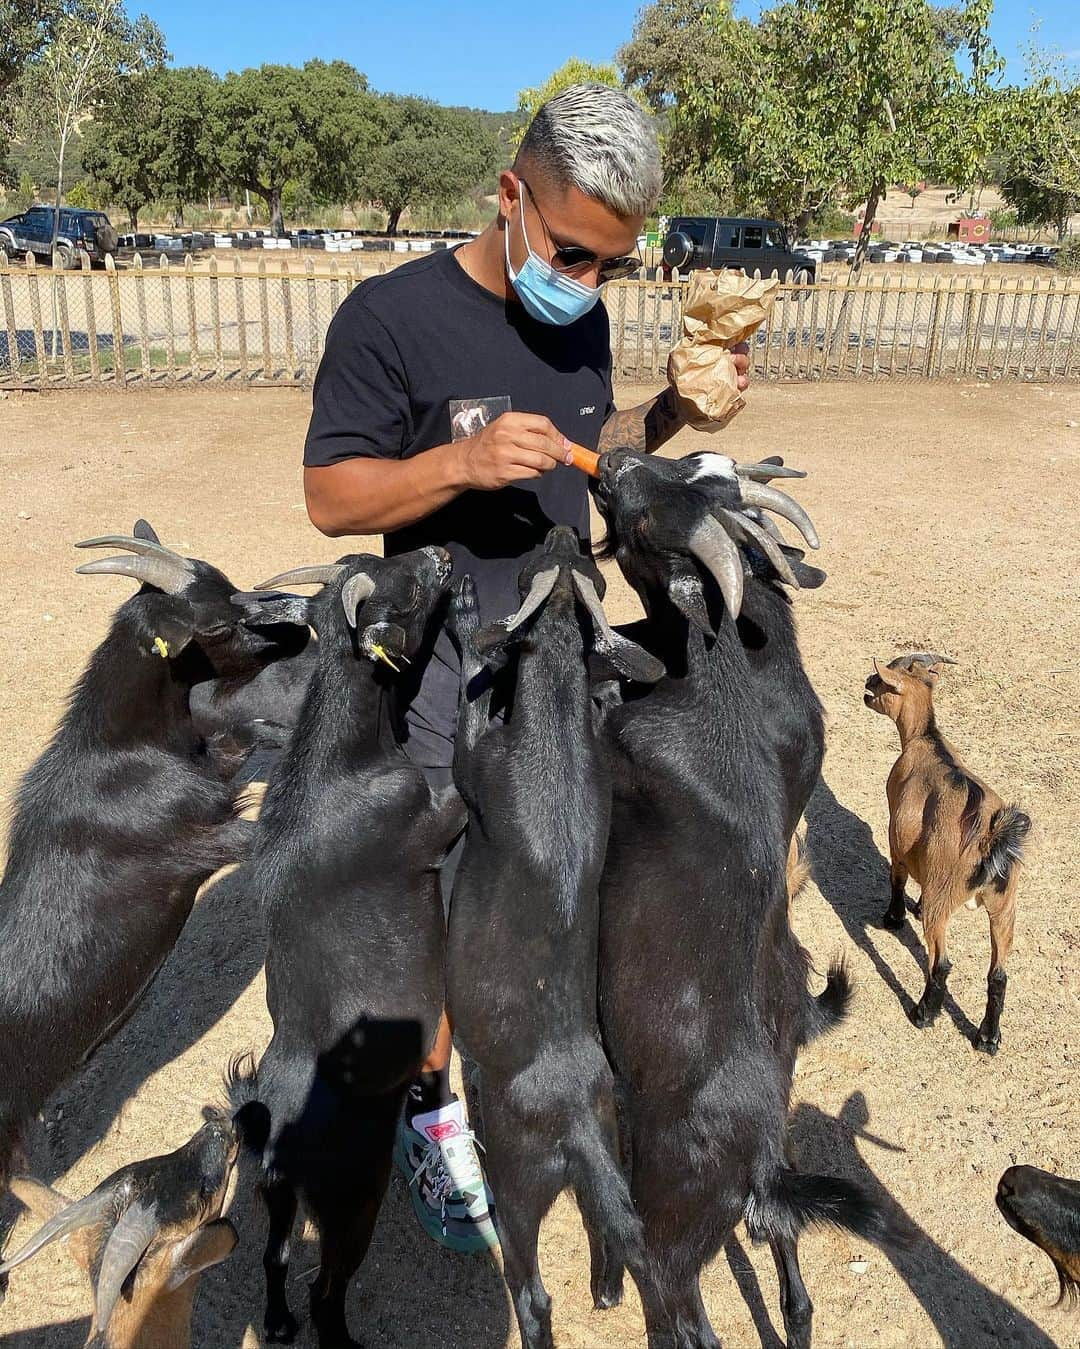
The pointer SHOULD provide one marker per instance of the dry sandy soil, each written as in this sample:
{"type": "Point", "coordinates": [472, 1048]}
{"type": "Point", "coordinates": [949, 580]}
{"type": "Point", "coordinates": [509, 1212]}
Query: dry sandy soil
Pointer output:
{"type": "Point", "coordinates": [948, 519]}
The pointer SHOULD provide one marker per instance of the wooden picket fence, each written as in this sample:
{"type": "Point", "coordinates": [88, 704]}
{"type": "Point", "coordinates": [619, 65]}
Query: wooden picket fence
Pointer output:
{"type": "Point", "coordinates": [266, 325]}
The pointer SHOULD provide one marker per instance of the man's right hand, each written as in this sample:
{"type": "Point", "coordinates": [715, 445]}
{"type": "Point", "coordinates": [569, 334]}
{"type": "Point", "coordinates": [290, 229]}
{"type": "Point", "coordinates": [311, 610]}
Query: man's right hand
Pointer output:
{"type": "Point", "coordinates": [514, 446]}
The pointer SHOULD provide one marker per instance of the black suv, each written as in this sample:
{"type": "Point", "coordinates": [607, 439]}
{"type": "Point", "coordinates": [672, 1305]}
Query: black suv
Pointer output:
{"type": "Point", "coordinates": [81, 231]}
{"type": "Point", "coordinates": [739, 243]}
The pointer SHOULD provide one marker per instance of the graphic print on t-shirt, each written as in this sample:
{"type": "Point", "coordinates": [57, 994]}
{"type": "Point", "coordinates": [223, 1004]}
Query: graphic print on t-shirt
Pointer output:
{"type": "Point", "coordinates": [469, 416]}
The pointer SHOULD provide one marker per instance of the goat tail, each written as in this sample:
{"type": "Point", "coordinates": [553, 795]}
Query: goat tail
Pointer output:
{"type": "Point", "coordinates": [251, 1117]}
{"type": "Point", "coordinates": [1001, 847]}
{"type": "Point", "coordinates": [603, 1195]}
{"type": "Point", "coordinates": [831, 1006]}
{"type": "Point", "coordinates": [796, 1201]}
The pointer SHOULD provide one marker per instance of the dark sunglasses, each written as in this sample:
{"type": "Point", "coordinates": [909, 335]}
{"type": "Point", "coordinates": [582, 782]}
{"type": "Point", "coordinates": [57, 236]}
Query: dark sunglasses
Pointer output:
{"type": "Point", "coordinates": [572, 257]}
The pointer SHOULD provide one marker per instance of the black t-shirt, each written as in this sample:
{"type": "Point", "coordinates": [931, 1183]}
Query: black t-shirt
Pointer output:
{"type": "Point", "coordinates": [400, 349]}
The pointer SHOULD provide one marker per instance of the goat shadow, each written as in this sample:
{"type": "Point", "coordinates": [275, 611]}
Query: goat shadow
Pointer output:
{"type": "Point", "coordinates": [217, 955]}
{"type": "Point", "coordinates": [408, 1291]}
{"type": "Point", "coordinates": [853, 876]}
{"type": "Point", "coordinates": [963, 1310]}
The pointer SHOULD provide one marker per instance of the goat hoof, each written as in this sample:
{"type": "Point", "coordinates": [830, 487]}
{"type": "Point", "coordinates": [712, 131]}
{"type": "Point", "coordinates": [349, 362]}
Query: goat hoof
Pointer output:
{"type": "Point", "coordinates": [607, 1297]}
{"type": "Point", "coordinates": [464, 611]}
{"type": "Point", "coordinates": [921, 1016]}
{"type": "Point", "coordinates": [987, 1044]}
{"type": "Point", "coordinates": [281, 1329]}
{"type": "Point", "coordinates": [893, 921]}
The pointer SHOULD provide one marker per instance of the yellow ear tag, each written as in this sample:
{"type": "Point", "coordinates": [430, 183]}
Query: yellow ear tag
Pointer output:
{"type": "Point", "coordinates": [380, 654]}
{"type": "Point", "coordinates": [161, 646]}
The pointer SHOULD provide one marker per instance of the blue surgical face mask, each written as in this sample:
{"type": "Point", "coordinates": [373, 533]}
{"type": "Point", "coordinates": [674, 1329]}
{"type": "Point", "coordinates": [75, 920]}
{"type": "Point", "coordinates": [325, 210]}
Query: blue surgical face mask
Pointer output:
{"type": "Point", "coordinates": [548, 295]}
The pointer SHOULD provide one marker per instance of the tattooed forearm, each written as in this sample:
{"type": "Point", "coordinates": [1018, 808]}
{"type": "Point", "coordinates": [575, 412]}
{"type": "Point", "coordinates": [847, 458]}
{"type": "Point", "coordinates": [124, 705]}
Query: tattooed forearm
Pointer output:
{"type": "Point", "coordinates": [645, 427]}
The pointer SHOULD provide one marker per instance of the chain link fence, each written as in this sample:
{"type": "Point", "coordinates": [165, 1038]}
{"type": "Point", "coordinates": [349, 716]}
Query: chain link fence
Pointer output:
{"type": "Point", "coordinates": [265, 323]}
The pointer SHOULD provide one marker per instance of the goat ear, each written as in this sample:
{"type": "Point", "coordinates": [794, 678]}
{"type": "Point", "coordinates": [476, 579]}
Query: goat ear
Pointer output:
{"type": "Point", "coordinates": [207, 1246]}
{"type": "Point", "coordinates": [688, 596]}
{"type": "Point", "coordinates": [262, 609]}
{"type": "Point", "coordinates": [145, 530]}
{"type": "Point", "coordinates": [42, 1200]}
{"type": "Point", "coordinates": [890, 677]}
{"type": "Point", "coordinates": [627, 659]}
{"type": "Point", "coordinates": [495, 640]}
{"type": "Point", "coordinates": [170, 624]}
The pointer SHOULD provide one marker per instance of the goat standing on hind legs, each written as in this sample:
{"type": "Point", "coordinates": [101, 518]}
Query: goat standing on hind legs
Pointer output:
{"type": "Point", "coordinates": [949, 831]}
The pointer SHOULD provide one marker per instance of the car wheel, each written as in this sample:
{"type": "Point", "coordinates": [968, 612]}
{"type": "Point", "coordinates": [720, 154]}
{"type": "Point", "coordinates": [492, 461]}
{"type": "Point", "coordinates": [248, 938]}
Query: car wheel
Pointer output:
{"type": "Point", "coordinates": [7, 243]}
{"type": "Point", "coordinates": [802, 277]}
{"type": "Point", "coordinates": [678, 249]}
{"type": "Point", "coordinates": [66, 254]}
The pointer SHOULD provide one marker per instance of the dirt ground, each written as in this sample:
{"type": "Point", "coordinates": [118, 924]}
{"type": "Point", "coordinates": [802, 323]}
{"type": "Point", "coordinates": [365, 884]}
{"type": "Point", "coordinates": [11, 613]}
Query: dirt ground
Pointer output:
{"type": "Point", "coordinates": [947, 514]}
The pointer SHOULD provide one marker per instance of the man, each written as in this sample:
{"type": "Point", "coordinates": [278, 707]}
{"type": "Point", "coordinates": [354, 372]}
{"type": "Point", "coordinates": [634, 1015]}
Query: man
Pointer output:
{"type": "Point", "coordinates": [444, 409]}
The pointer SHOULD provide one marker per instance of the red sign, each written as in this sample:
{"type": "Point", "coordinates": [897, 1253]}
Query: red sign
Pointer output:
{"type": "Point", "coordinates": [971, 229]}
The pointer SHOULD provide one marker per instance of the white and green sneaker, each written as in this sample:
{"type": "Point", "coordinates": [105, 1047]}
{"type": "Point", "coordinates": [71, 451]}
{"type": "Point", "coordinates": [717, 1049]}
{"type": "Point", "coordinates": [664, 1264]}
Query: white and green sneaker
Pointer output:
{"type": "Point", "coordinates": [437, 1153]}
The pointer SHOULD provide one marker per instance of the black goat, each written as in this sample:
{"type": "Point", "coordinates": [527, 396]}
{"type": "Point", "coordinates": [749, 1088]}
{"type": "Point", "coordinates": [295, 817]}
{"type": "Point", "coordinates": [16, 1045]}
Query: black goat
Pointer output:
{"type": "Point", "coordinates": [703, 996]}
{"type": "Point", "coordinates": [144, 1236]}
{"type": "Point", "coordinates": [1046, 1209]}
{"type": "Point", "coordinates": [526, 909]}
{"type": "Point", "coordinates": [116, 825]}
{"type": "Point", "coordinates": [348, 844]}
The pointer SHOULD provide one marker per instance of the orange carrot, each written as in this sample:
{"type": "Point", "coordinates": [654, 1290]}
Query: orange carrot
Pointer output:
{"type": "Point", "coordinates": [586, 460]}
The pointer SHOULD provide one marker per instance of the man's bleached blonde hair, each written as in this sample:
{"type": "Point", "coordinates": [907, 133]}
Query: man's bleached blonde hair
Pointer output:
{"type": "Point", "coordinates": [600, 141]}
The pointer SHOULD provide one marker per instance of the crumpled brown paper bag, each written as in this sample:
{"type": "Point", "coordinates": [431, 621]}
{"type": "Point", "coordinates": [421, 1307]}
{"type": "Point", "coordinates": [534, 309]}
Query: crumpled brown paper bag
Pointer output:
{"type": "Point", "coordinates": [722, 309]}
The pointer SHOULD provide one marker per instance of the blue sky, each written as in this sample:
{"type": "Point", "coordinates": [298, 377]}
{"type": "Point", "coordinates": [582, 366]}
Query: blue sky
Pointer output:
{"type": "Point", "coordinates": [475, 52]}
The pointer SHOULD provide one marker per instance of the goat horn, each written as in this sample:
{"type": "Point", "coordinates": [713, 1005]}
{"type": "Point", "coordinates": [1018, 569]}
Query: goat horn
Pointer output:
{"type": "Point", "coordinates": [142, 547]}
{"type": "Point", "coordinates": [766, 522]}
{"type": "Point", "coordinates": [754, 534]}
{"type": "Point", "coordinates": [757, 494]}
{"type": "Point", "coordinates": [713, 549]}
{"type": "Point", "coordinates": [125, 1248]}
{"type": "Point", "coordinates": [304, 576]}
{"type": "Point", "coordinates": [167, 572]}
{"type": "Point", "coordinates": [609, 638]}
{"type": "Point", "coordinates": [927, 658]}
{"type": "Point", "coordinates": [767, 469]}
{"type": "Point", "coordinates": [542, 586]}
{"type": "Point", "coordinates": [92, 1209]}
{"type": "Point", "coordinates": [354, 592]}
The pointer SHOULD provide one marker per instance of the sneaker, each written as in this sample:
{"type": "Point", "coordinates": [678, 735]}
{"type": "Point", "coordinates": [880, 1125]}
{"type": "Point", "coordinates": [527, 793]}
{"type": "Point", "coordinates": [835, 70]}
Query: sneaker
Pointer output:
{"type": "Point", "coordinates": [437, 1153]}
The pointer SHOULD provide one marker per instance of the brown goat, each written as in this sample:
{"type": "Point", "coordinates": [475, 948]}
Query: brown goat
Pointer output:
{"type": "Point", "coordinates": [144, 1236]}
{"type": "Point", "coordinates": [949, 831]}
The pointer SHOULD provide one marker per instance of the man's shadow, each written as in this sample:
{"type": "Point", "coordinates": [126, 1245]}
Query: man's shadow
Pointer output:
{"type": "Point", "coordinates": [853, 877]}
{"type": "Point", "coordinates": [964, 1311]}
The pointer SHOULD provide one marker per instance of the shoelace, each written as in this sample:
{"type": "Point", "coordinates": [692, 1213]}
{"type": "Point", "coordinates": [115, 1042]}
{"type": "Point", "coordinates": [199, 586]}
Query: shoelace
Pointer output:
{"type": "Point", "coordinates": [439, 1178]}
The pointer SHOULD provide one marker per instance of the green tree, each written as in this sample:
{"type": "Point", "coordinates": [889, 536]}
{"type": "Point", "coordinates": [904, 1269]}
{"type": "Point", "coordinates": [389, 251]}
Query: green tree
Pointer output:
{"type": "Point", "coordinates": [91, 48]}
{"type": "Point", "coordinates": [313, 125]}
{"type": "Point", "coordinates": [184, 169]}
{"type": "Point", "coordinates": [24, 27]}
{"type": "Point", "coordinates": [121, 146]}
{"type": "Point", "coordinates": [820, 101]}
{"type": "Point", "coordinates": [1041, 178]}
{"type": "Point", "coordinates": [427, 156]}
{"type": "Point", "coordinates": [1033, 202]}
{"type": "Point", "coordinates": [151, 140]}
{"type": "Point", "coordinates": [681, 51]}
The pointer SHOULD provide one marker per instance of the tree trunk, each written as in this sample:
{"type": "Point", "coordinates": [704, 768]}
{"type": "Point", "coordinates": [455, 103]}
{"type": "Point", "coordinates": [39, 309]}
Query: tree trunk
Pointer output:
{"type": "Point", "coordinates": [277, 220]}
{"type": "Point", "coordinates": [392, 220]}
{"type": "Point", "coordinates": [877, 193]}
{"type": "Point", "coordinates": [178, 215]}
{"type": "Point", "coordinates": [133, 218]}
{"type": "Point", "coordinates": [59, 192]}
